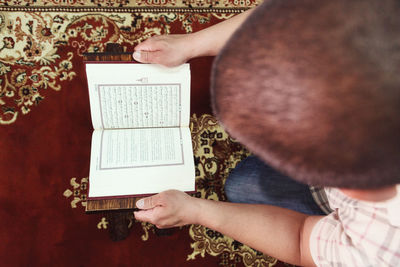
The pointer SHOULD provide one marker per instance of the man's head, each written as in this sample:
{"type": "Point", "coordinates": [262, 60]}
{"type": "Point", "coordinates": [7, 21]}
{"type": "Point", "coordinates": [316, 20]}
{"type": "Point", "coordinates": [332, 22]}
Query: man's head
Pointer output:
{"type": "Point", "coordinates": [313, 88]}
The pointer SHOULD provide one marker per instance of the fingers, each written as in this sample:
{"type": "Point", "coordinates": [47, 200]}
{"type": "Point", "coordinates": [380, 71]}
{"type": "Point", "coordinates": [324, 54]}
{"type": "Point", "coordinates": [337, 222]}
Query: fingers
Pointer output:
{"type": "Point", "coordinates": [154, 217]}
{"type": "Point", "coordinates": [146, 56]}
{"type": "Point", "coordinates": [148, 51]}
{"type": "Point", "coordinates": [151, 44]}
{"type": "Point", "coordinates": [137, 55]}
{"type": "Point", "coordinates": [145, 215]}
{"type": "Point", "coordinates": [149, 202]}
{"type": "Point", "coordinates": [147, 206]}
{"type": "Point", "coordinates": [162, 209]}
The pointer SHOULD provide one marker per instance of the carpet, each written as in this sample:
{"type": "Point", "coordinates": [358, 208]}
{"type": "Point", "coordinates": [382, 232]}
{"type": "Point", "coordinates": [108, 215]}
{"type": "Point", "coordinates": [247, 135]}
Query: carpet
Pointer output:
{"type": "Point", "coordinates": [46, 133]}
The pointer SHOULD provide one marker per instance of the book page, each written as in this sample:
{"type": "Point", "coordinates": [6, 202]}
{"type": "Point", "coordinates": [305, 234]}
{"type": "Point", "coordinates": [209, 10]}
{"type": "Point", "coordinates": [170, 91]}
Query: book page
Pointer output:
{"type": "Point", "coordinates": [132, 148]}
{"type": "Point", "coordinates": [138, 106]}
{"type": "Point", "coordinates": [129, 162]}
{"type": "Point", "coordinates": [128, 95]}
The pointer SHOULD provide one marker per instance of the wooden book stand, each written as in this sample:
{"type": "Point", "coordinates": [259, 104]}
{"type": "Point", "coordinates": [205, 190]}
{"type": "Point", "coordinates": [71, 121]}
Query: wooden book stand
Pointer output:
{"type": "Point", "coordinates": [118, 211]}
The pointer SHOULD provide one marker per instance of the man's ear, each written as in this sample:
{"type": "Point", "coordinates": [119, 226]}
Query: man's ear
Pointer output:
{"type": "Point", "coordinates": [379, 194]}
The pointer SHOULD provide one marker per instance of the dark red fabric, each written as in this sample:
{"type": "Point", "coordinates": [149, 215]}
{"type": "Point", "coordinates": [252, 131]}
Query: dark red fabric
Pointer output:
{"type": "Point", "coordinates": [39, 154]}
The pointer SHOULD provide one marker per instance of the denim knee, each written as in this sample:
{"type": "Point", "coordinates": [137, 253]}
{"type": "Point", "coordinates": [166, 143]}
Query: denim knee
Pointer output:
{"type": "Point", "coordinates": [237, 185]}
{"type": "Point", "coordinates": [253, 181]}
{"type": "Point", "coordinates": [232, 187]}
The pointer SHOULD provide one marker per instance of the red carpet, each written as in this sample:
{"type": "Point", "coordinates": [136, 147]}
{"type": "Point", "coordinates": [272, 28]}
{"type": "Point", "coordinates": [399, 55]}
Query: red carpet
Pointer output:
{"type": "Point", "coordinates": [46, 133]}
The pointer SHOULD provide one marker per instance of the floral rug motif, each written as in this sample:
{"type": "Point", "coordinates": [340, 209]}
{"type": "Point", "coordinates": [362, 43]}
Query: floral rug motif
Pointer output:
{"type": "Point", "coordinates": [45, 117]}
{"type": "Point", "coordinates": [40, 52]}
{"type": "Point", "coordinates": [216, 154]}
{"type": "Point", "coordinates": [122, 5]}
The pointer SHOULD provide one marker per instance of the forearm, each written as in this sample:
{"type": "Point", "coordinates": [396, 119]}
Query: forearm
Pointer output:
{"type": "Point", "coordinates": [275, 231]}
{"type": "Point", "coordinates": [175, 49]}
{"type": "Point", "coordinates": [209, 42]}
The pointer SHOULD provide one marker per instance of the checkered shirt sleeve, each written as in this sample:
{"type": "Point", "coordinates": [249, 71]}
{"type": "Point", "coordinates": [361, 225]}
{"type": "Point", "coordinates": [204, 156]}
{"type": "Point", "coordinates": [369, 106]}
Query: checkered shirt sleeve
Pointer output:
{"type": "Point", "coordinates": [356, 233]}
{"type": "Point", "coordinates": [319, 196]}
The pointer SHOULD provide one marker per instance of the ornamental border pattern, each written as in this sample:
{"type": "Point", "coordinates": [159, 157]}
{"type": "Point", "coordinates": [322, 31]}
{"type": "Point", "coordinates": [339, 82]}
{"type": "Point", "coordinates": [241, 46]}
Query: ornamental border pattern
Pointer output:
{"type": "Point", "coordinates": [195, 10]}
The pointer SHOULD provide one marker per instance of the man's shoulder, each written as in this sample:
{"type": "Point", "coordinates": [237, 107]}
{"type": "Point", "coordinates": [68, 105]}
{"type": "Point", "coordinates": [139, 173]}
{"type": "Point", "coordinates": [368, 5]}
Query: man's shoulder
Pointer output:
{"type": "Point", "coordinates": [356, 233]}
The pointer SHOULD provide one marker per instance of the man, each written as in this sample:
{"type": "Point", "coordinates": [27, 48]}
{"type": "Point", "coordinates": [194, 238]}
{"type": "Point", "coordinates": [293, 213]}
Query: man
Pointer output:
{"type": "Point", "coordinates": [313, 89]}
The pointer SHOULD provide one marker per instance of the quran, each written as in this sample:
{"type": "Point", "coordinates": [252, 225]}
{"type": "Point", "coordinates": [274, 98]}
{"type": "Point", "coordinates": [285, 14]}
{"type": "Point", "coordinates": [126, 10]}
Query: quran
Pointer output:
{"type": "Point", "coordinates": [141, 143]}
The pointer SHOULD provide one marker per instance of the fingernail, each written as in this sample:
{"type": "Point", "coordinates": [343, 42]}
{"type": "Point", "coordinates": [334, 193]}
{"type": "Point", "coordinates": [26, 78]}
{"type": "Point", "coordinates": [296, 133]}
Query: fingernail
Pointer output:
{"type": "Point", "coordinates": [140, 203]}
{"type": "Point", "coordinates": [136, 55]}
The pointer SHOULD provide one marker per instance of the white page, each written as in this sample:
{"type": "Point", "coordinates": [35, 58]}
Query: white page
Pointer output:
{"type": "Point", "coordinates": [153, 176]}
{"type": "Point", "coordinates": [138, 95]}
{"type": "Point", "coordinates": [129, 148]}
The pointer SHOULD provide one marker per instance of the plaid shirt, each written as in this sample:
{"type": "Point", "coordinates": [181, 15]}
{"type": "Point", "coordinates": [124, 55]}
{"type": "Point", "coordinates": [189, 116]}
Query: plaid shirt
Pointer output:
{"type": "Point", "coordinates": [319, 195]}
{"type": "Point", "coordinates": [357, 233]}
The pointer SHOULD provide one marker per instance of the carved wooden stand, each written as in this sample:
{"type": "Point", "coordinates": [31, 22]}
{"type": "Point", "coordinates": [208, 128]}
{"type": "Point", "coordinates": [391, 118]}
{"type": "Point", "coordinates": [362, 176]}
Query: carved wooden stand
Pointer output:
{"type": "Point", "coordinates": [118, 212]}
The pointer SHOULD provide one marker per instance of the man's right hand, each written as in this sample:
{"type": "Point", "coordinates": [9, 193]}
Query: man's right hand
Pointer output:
{"type": "Point", "coordinates": [168, 50]}
{"type": "Point", "coordinates": [175, 49]}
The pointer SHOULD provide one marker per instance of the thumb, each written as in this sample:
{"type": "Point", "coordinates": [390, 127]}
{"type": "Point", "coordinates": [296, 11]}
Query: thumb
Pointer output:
{"type": "Point", "coordinates": [151, 44]}
{"type": "Point", "coordinates": [146, 56]}
{"type": "Point", "coordinates": [144, 52]}
{"type": "Point", "coordinates": [148, 202]}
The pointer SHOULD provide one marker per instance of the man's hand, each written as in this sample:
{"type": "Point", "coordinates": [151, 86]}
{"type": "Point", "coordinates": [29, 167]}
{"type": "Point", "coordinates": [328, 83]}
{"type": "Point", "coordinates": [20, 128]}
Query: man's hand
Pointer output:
{"type": "Point", "coordinates": [278, 232]}
{"type": "Point", "coordinates": [176, 49]}
{"type": "Point", "coordinates": [168, 209]}
{"type": "Point", "coordinates": [168, 50]}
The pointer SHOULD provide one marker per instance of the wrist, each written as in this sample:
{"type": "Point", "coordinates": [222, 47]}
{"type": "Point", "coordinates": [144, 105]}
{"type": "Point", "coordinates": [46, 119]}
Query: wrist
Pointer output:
{"type": "Point", "coordinates": [198, 45]}
{"type": "Point", "coordinates": [189, 46]}
{"type": "Point", "coordinates": [209, 213]}
{"type": "Point", "coordinates": [196, 211]}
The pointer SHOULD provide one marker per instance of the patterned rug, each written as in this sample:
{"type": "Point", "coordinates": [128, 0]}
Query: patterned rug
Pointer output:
{"type": "Point", "coordinates": [46, 133]}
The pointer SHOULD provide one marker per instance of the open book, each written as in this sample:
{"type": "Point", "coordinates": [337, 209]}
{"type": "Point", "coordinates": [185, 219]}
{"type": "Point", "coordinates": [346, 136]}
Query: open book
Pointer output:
{"type": "Point", "coordinates": [141, 142]}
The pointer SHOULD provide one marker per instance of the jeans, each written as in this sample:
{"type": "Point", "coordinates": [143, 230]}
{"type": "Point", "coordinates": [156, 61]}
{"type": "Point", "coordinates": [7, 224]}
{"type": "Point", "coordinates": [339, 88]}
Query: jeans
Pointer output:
{"type": "Point", "coordinates": [252, 181]}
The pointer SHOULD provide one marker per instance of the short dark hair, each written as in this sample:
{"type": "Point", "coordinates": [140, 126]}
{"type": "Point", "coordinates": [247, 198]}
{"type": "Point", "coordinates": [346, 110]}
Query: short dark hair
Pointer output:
{"type": "Point", "coordinates": [313, 88]}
